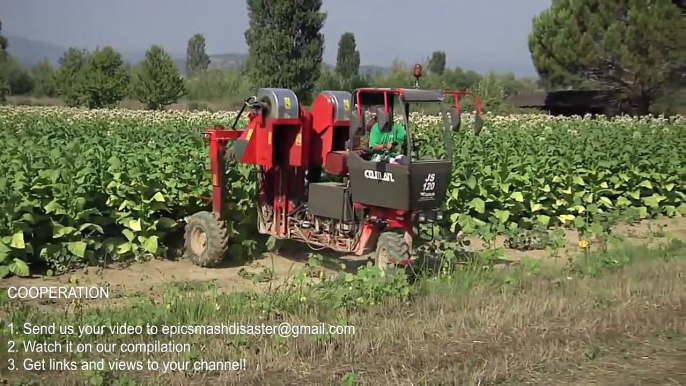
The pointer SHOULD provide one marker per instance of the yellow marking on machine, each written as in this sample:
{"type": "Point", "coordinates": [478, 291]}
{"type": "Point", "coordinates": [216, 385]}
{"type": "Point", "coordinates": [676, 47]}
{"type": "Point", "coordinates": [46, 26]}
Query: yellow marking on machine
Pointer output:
{"type": "Point", "coordinates": [299, 140]}
{"type": "Point", "coordinates": [346, 105]}
{"type": "Point", "coordinates": [247, 136]}
{"type": "Point", "coordinates": [269, 138]}
{"type": "Point", "coordinates": [287, 102]}
{"type": "Point", "coordinates": [215, 180]}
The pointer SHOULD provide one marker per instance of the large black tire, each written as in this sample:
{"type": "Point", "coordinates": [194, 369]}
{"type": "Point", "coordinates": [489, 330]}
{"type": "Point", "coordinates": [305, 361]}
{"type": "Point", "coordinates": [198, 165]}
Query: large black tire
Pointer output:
{"type": "Point", "coordinates": [391, 247]}
{"type": "Point", "coordinates": [206, 239]}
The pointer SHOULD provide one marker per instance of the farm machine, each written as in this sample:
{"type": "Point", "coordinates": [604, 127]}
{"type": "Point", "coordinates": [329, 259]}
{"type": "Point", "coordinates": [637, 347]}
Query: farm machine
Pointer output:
{"type": "Point", "coordinates": [374, 206]}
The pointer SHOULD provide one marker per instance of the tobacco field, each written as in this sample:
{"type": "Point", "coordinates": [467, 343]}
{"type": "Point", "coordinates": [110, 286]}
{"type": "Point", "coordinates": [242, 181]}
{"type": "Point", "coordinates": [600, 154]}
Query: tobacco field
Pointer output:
{"type": "Point", "coordinates": [100, 186]}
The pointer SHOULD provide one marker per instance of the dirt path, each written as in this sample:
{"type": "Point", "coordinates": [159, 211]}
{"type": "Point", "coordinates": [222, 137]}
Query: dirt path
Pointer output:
{"type": "Point", "coordinates": [272, 270]}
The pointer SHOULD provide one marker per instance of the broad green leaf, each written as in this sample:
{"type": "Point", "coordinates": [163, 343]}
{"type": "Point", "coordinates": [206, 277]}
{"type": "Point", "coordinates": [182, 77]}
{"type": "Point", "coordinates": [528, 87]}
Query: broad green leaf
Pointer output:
{"type": "Point", "coordinates": [54, 175]}
{"type": "Point", "coordinates": [18, 241]}
{"type": "Point", "coordinates": [158, 197]}
{"type": "Point", "coordinates": [49, 251]}
{"type": "Point", "coordinates": [623, 202]}
{"type": "Point", "coordinates": [128, 234]}
{"type": "Point", "coordinates": [467, 223]}
{"type": "Point", "coordinates": [642, 211]}
{"type": "Point", "coordinates": [646, 184]}
{"type": "Point", "coordinates": [124, 248]}
{"type": "Point", "coordinates": [54, 207]}
{"type": "Point", "coordinates": [578, 208]}
{"type": "Point", "coordinates": [502, 215]}
{"type": "Point", "coordinates": [92, 226]}
{"type": "Point", "coordinates": [578, 180]}
{"type": "Point", "coordinates": [478, 204]}
{"type": "Point", "coordinates": [605, 201]}
{"type": "Point", "coordinates": [78, 248]}
{"type": "Point", "coordinates": [453, 217]}
{"type": "Point", "coordinates": [58, 230]}
{"type": "Point", "coordinates": [114, 162]}
{"type": "Point", "coordinates": [517, 196]}
{"type": "Point", "coordinates": [135, 225]}
{"type": "Point", "coordinates": [597, 228]}
{"type": "Point", "coordinates": [165, 223]}
{"type": "Point", "coordinates": [653, 201]}
{"type": "Point", "coordinates": [471, 182]}
{"type": "Point", "coordinates": [157, 206]}
{"type": "Point", "coordinates": [565, 218]}
{"type": "Point", "coordinates": [19, 268]}
{"type": "Point", "coordinates": [543, 219]}
{"type": "Point", "coordinates": [150, 244]}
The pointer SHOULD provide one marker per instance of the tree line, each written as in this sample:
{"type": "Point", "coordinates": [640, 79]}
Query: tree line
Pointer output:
{"type": "Point", "coordinates": [634, 50]}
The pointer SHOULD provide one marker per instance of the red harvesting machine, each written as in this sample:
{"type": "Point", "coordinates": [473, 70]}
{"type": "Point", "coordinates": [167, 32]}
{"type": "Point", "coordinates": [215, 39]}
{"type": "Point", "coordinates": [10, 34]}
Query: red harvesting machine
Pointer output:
{"type": "Point", "coordinates": [372, 206]}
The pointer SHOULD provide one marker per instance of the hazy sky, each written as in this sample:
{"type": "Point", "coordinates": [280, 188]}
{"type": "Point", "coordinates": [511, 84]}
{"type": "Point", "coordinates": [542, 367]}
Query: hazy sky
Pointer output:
{"type": "Point", "coordinates": [480, 33]}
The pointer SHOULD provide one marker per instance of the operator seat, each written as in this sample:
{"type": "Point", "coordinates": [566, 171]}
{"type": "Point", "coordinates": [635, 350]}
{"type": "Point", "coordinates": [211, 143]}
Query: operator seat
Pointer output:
{"type": "Point", "coordinates": [337, 161]}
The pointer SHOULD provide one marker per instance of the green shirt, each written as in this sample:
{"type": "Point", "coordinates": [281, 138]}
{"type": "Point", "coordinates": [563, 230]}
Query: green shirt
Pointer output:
{"type": "Point", "coordinates": [377, 137]}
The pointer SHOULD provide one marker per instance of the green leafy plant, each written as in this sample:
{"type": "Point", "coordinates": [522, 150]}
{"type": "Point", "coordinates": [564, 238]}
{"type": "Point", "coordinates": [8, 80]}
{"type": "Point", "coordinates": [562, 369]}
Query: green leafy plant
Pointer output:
{"type": "Point", "coordinates": [92, 187]}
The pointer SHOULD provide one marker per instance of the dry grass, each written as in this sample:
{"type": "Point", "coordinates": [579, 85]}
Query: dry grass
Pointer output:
{"type": "Point", "coordinates": [534, 324]}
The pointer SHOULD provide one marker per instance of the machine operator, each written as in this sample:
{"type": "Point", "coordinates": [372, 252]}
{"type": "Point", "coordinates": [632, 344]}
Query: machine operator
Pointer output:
{"type": "Point", "coordinates": [385, 143]}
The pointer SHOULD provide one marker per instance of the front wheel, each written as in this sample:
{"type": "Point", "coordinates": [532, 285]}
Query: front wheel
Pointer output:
{"type": "Point", "coordinates": [206, 239]}
{"type": "Point", "coordinates": [391, 248]}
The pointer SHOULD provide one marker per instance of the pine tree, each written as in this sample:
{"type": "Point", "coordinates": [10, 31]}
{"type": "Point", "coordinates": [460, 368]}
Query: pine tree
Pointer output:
{"type": "Point", "coordinates": [157, 81]}
{"type": "Point", "coordinates": [4, 82]}
{"type": "Point", "coordinates": [105, 80]}
{"type": "Point", "coordinates": [437, 63]}
{"type": "Point", "coordinates": [348, 57]}
{"type": "Point", "coordinates": [197, 59]}
{"type": "Point", "coordinates": [69, 75]}
{"type": "Point", "coordinates": [3, 44]}
{"type": "Point", "coordinates": [285, 44]}
{"type": "Point", "coordinates": [634, 49]}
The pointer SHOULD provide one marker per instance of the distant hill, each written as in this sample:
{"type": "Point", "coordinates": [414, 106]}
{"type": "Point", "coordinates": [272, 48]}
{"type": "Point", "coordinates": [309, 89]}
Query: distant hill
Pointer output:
{"type": "Point", "coordinates": [29, 52]}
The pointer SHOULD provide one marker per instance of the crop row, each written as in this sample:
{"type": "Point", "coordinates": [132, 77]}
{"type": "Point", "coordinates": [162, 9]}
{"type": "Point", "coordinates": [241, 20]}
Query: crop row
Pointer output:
{"type": "Point", "coordinates": [91, 186]}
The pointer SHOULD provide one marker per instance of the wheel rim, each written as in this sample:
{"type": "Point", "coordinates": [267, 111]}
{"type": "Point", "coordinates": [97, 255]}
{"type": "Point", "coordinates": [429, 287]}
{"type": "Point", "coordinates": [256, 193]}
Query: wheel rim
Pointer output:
{"type": "Point", "coordinates": [382, 259]}
{"type": "Point", "coordinates": [198, 240]}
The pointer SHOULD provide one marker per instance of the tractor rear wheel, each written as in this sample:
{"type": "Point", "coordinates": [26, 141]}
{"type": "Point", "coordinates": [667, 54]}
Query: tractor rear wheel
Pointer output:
{"type": "Point", "coordinates": [206, 239]}
{"type": "Point", "coordinates": [391, 248]}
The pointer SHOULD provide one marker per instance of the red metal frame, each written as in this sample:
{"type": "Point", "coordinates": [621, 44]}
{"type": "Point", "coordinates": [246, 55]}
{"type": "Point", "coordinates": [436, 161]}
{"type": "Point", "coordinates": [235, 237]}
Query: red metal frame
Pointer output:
{"type": "Point", "coordinates": [396, 91]}
{"type": "Point", "coordinates": [394, 219]}
{"type": "Point", "coordinates": [456, 96]}
{"type": "Point", "coordinates": [217, 138]}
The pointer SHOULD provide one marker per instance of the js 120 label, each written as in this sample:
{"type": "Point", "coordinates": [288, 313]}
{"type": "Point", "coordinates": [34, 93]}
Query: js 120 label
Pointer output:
{"type": "Point", "coordinates": [429, 183]}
